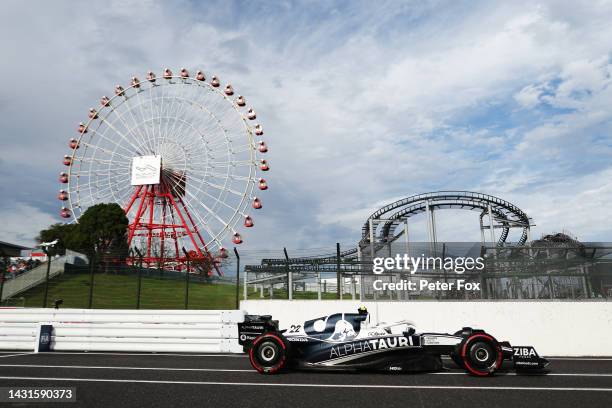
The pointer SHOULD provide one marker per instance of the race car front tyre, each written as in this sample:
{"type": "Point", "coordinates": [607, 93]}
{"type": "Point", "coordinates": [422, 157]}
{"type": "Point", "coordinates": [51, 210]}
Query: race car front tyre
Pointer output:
{"type": "Point", "coordinates": [268, 353]}
{"type": "Point", "coordinates": [481, 355]}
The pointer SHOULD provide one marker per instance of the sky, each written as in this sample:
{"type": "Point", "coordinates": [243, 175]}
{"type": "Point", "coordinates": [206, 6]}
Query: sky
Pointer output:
{"type": "Point", "coordinates": [362, 104]}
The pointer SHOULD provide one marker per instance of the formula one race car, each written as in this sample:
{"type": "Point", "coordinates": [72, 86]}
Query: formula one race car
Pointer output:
{"type": "Point", "coordinates": [346, 341]}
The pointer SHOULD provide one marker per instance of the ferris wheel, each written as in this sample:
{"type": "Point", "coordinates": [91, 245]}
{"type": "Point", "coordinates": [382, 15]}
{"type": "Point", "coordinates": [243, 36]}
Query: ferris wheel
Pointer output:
{"type": "Point", "coordinates": [180, 154]}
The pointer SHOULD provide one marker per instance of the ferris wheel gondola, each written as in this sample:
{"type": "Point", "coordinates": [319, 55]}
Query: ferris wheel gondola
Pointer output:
{"type": "Point", "coordinates": [179, 155]}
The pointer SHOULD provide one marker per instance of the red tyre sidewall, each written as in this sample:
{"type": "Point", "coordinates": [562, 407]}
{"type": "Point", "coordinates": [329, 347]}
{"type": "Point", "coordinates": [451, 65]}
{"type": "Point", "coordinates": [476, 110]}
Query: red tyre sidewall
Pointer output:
{"type": "Point", "coordinates": [255, 363]}
{"type": "Point", "coordinates": [466, 362]}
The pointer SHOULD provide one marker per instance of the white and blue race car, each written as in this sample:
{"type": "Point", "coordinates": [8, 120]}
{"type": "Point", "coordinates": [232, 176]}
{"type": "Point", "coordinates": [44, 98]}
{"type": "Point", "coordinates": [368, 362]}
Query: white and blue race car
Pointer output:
{"type": "Point", "coordinates": [346, 341]}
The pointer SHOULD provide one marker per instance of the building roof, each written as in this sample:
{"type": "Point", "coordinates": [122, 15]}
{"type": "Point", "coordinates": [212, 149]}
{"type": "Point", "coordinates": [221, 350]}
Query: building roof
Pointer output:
{"type": "Point", "coordinates": [8, 249]}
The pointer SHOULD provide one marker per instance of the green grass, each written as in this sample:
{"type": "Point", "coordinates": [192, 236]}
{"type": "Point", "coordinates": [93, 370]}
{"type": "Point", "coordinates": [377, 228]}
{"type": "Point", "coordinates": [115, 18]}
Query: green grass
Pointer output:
{"type": "Point", "coordinates": [119, 292]}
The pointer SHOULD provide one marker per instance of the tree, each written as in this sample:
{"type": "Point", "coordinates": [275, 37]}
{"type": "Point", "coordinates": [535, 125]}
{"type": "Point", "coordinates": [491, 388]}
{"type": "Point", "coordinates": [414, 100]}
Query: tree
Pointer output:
{"type": "Point", "coordinates": [102, 232]}
{"type": "Point", "coordinates": [206, 266]}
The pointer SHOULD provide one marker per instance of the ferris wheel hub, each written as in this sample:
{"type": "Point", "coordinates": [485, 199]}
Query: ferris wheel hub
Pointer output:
{"type": "Point", "coordinates": [146, 170]}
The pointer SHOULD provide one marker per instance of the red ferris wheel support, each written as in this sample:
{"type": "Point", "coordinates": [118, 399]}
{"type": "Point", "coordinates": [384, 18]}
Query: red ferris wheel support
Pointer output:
{"type": "Point", "coordinates": [176, 222]}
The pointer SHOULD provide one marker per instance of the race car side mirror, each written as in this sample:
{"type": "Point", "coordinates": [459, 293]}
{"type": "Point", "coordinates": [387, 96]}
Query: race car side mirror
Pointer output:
{"type": "Point", "coordinates": [409, 332]}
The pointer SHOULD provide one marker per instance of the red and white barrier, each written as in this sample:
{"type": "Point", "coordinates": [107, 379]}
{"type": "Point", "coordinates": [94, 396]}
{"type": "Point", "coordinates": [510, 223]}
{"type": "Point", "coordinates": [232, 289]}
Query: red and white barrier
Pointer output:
{"type": "Point", "coordinates": [199, 331]}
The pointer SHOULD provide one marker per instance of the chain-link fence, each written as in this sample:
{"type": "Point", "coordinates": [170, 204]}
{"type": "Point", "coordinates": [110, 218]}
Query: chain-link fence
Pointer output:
{"type": "Point", "coordinates": [438, 271]}
{"type": "Point", "coordinates": [72, 281]}
{"type": "Point", "coordinates": [536, 272]}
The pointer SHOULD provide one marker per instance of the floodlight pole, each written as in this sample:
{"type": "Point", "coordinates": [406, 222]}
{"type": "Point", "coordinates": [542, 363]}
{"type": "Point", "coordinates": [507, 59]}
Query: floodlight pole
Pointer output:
{"type": "Point", "coordinates": [45, 247]}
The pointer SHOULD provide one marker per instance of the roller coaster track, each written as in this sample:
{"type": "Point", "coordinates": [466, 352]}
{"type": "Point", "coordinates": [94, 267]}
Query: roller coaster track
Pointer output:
{"type": "Point", "coordinates": [505, 214]}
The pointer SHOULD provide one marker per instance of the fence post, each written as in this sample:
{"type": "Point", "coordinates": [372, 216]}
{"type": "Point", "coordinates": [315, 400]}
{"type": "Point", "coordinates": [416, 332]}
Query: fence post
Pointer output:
{"type": "Point", "coordinates": [246, 288]}
{"type": "Point", "coordinates": [45, 250]}
{"type": "Point", "coordinates": [445, 293]}
{"type": "Point", "coordinates": [139, 281]}
{"type": "Point", "coordinates": [483, 280]}
{"type": "Point", "coordinates": [237, 279]}
{"type": "Point", "coordinates": [186, 280]}
{"type": "Point", "coordinates": [372, 253]}
{"type": "Point", "coordinates": [318, 283]}
{"type": "Point", "coordinates": [338, 274]}
{"type": "Point", "coordinates": [3, 258]}
{"type": "Point", "coordinates": [92, 261]}
{"type": "Point", "coordinates": [587, 286]}
{"type": "Point", "coordinates": [289, 277]}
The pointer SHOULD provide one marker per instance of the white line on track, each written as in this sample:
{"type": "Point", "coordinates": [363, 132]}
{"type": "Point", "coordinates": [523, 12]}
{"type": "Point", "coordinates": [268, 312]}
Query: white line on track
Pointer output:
{"type": "Point", "coordinates": [85, 353]}
{"type": "Point", "coordinates": [82, 367]}
{"type": "Point", "coordinates": [129, 368]}
{"type": "Point", "coordinates": [578, 358]}
{"type": "Point", "coordinates": [564, 358]}
{"type": "Point", "coordinates": [542, 375]}
{"type": "Point", "coordinates": [255, 384]}
{"type": "Point", "coordinates": [14, 355]}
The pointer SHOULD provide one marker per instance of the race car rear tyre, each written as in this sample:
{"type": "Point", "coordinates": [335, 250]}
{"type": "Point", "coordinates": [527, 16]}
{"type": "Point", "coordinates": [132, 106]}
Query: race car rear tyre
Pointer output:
{"type": "Point", "coordinates": [268, 353]}
{"type": "Point", "coordinates": [481, 355]}
{"type": "Point", "coordinates": [456, 357]}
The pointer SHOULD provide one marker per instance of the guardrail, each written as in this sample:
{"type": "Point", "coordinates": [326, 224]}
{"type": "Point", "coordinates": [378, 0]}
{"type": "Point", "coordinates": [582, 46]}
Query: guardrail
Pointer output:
{"type": "Point", "coordinates": [201, 331]}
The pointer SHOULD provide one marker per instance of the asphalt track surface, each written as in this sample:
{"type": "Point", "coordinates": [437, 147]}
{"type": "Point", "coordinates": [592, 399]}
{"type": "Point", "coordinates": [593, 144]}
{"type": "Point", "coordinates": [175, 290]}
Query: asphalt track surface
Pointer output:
{"type": "Point", "coordinates": [209, 380]}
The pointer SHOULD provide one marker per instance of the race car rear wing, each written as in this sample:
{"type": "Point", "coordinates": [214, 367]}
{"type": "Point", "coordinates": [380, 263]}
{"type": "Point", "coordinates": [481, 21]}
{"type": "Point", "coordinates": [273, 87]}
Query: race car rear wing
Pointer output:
{"type": "Point", "coordinates": [253, 326]}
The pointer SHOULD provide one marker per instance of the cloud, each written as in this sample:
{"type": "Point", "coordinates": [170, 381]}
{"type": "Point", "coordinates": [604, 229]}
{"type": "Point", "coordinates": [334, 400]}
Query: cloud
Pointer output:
{"type": "Point", "coordinates": [361, 105]}
{"type": "Point", "coordinates": [529, 96]}
{"type": "Point", "coordinates": [22, 223]}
